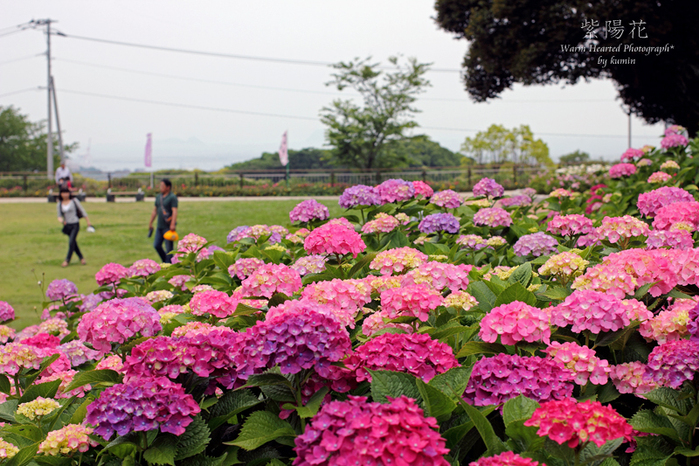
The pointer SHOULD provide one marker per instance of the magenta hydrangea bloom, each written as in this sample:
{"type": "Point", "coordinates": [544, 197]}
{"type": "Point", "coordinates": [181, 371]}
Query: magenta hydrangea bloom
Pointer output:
{"type": "Point", "coordinates": [348, 295]}
{"type": "Point", "coordinates": [244, 267]}
{"type": "Point", "coordinates": [344, 315]}
{"type": "Point", "coordinates": [674, 239]}
{"type": "Point", "coordinates": [118, 320]}
{"type": "Point", "coordinates": [673, 140]}
{"type": "Point", "coordinates": [515, 201]}
{"type": "Point", "coordinates": [215, 303]}
{"type": "Point", "coordinates": [412, 300]}
{"type": "Point", "coordinates": [293, 340]}
{"type": "Point", "coordinates": [143, 268]}
{"type": "Point", "coordinates": [439, 276]}
{"type": "Point", "coordinates": [334, 238]}
{"type": "Point", "coordinates": [493, 217]}
{"type": "Point", "coordinates": [629, 378]}
{"type": "Point", "coordinates": [488, 187]}
{"type": "Point", "coordinates": [597, 312]}
{"type": "Point", "coordinates": [685, 214]}
{"type": "Point", "coordinates": [570, 225]}
{"type": "Point", "coordinates": [59, 290]}
{"type": "Point", "coordinates": [496, 379]}
{"type": "Point", "coordinates": [415, 354]}
{"type": "Point", "coordinates": [359, 196]}
{"type": "Point", "coordinates": [507, 458]}
{"type": "Point", "coordinates": [693, 322]}
{"type": "Point", "coordinates": [395, 190]}
{"type": "Point", "coordinates": [371, 434]}
{"type": "Point", "coordinates": [622, 169]}
{"type": "Point", "coordinates": [580, 360]}
{"type": "Point", "coordinates": [423, 189]}
{"type": "Point", "coordinates": [439, 222]}
{"type": "Point", "coordinates": [111, 273]}
{"type": "Point", "coordinates": [378, 321]}
{"type": "Point", "coordinates": [515, 322]}
{"type": "Point", "coordinates": [142, 404]}
{"type": "Point", "coordinates": [537, 244]}
{"type": "Point", "coordinates": [6, 312]}
{"type": "Point", "coordinates": [448, 199]}
{"type": "Point", "coordinates": [649, 203]}
{"type": "Point", "coordinates": [272, 278]}
{"type": "Point", "coordinates": [308, 210]}
{"type": "Point", "coordinates": [672, 363]}
{"type": "Point", "coordinates": [631, 154]}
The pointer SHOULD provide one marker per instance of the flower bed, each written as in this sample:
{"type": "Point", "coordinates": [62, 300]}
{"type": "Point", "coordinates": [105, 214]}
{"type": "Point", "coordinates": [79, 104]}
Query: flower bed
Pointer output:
{"type": "Point", "coordinates": [427, 330]}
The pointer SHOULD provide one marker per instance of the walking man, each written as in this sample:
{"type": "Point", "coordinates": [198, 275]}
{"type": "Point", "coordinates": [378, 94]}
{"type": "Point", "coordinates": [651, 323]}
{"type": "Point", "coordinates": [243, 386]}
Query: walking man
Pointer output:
{"type": "Point", "coordinates": [63, 175]}
{"type": "Point", "coordinates": [166, 211]}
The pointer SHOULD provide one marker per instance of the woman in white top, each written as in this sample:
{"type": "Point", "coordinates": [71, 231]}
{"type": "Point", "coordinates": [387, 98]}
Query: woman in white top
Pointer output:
{"type": "Point", "coordinates": [70, 211]}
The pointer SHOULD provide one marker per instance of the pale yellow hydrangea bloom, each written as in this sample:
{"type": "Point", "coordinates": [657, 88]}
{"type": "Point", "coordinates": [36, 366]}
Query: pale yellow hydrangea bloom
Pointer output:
{"type": "Point", "coordinates": [461, 300]}
{"type": "Point", "coordinates": [38, 408]}
{"type": "Point", "coordinates": [7, 450]}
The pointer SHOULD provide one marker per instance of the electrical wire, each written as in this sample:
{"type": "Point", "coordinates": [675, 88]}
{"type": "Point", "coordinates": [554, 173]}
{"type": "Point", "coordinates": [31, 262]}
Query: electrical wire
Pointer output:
{"type": "Point", "coordinates": [20, 59]}
{"type": "Point", "coordinates": [37, 88]}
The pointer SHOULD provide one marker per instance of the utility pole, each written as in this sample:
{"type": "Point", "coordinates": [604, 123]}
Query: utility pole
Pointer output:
{"type": "Point", "coordinates": [629, 128]}
{"type": "Point", "coordinates": [58, 122]}
{"type": "Point", "coordinates": [49, 85]}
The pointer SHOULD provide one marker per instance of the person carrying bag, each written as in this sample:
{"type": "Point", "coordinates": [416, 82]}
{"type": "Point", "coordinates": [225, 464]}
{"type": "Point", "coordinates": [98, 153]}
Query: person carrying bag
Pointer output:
{"type": "Point", "coordinates": [70, 211]}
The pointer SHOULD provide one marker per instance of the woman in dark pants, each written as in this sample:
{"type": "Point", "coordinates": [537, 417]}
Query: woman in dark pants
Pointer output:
{"type": "Point", "coordinates": [68, 209]}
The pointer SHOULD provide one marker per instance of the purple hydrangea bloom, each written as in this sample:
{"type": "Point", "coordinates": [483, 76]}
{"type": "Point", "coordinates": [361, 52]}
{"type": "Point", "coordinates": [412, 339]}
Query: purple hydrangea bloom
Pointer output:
{"type": "Point", "coordinates": [439, 222]}
{"type": "Point", "coordinates": [359, 195]}
{"type": "Point", "coordinates": [516, 201]}
{"type": "Point", "coordinates": [308, 210]}
{"type": "Point", "coordinates": [693, 323]}
{"type": "Point", "coordinates": [78, 353]}
{"type": "Point", "coordinates": [536, 244]}
{"type": "Point", "coordinates": [90, 302]}
{"type": "Point", "coordinates": [488, 187]}
{"type": "Point", "coordinates": [395, 190]}
{"type": "Point", "coordinates": [671, 363]}
{"type": "Point", "coordinates": [61, 289]}
{"type": "Point", "coordinates": [236, 233]}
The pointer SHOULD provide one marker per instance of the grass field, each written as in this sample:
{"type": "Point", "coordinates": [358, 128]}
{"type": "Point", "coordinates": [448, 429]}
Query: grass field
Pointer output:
{"type": "Point", "coordinates": [33, 247]}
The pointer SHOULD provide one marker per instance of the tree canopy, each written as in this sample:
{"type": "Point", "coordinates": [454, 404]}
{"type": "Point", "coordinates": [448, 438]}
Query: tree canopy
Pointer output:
{"type": "Point", "coordinates": [545, 42]}
{"type": "Point", "coordinates": [573, 158]}
{"type": "Point", "coordinates": [303, 159]}
{"type": "Point", "coordinates": [500, 145]}
{"type": "Point", "coordinates": [361, 136]}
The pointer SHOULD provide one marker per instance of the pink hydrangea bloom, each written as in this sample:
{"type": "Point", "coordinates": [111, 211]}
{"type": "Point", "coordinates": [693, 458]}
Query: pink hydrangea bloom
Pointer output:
{"type": "Point", "coordinates": [644, 163]}
{"type": "Point", "coordinates": [596, 312]}
{"type": "Point", "coordinates": [344, 315]}
{"type": "Point", "coordinates": [629, 378]}
{"type": "Point", "coordinates": [515, 322]}
{"type": "Point", "coordinates": [413, 300]}
{"type": "Point", "coordinates": [344, 294]}
{"type": "Point", "coordinates": [675, 239]}
{"type": "Point", "coordinates": [398, 260]}
{"type": "Point", "coordinates": [143, 268]}
{"type": "Point", "coordinates": [244, 267]}
{"type": "Point", "coordinates": [422, 189]}
{"type": "Point", "coordinates": [382, 223]}
{"type": "Point", "coordinates": [415, 354]}
{"type": "Point", "coordinates": [448, 199]}
{"type": "Point", "coordinates": [672, 363]}
{"type": "Point", "coordinates": [488, 187]}
{"type": "Point", "coordinates": [42, 340]}
{"type": "Point", "coordinates": [377, 321]}
{"type": "Point", "coordinates": [570, 225]}
{"type": "Point", "coordinates": [68, 439]}
{"type": "Point", "coordinates": [392, 433]}
{"type": "Point", "coordinates": [574, 423]}
{"type": "Point", "coordinates": [471, 241]}
{"type": "Point", "coordinates": [59, 290]}
{"type": "Point", "coordinates": [537, 244]}
{"type": "Point", "coordinates": [6, 312]}
{"type": "Point", "coordinates": [674, 129]}
{"type": "Point", "coordinates": [515, 201]}
{"type": "Point", "coordinates": [17, 356]}
{"type": "Point", "coordinates": [507, 458]}
{"type": "Point", "coordinates": [685, 213]}
{"type": "Point", "coordinates": [111, 274]}
{"type": "Point", "coordinates": [561, 192]}
{"type": "Point", "coordinates": [650, 202]}
{"type": "Point", "coordinates": [308, 210]}
{"type": "Point", "coordinates": [6, 334]}
{"type": "Point", "coordinates": [395, 190]}
{"type": "Point", "coordinates": [113, 362]}
{"type": "Point", "coordinates": [631, 154]}
{"type": "Point", "coordinates": [77, 353]}
{"type": "Point", "coordinates": [116, 321]}
{"type": "Point", "coordinates": [178, 282]}
{"type": "Point", "coordinates": [673, 140]}
{"type": "Point", "coordinates": [66, 377]}
{"type": "Point", "coordinates": [580, 360]}
{"type": "Point", "coordinates": [622, 169]}
{"type": "Point", "coordinates": [315, 263]}
{"type": "Point", "coordinates": [494, 380]}
{"type": "Point", "coordinates": [191, 243]}
{"type": "Point", "coordinates": [659, 177]}
{"type": "Point", "coordinates": [493, 217]}
{"type": "Point", "coordinates": [439, 276]}
{"type": "Point", "coordinates": [215, 303]}
{"type": "Point", "coordinates": [616, 229]}
{"type": "Point", "coordinates": [333, 238]}
{"type": "Point", "coordinates": [272, 278]}
{"type": "Point", "coordinates": [668, 325]}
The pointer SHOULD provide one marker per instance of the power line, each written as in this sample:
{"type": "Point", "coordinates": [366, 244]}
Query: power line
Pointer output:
{"type": "Point", "coordinates": [20, 59]}
{"type": "Point", "coordinates": [11, 32]}
{"type": "Point", "coordinates": [544, 134]}
{"type": "Point", "coordinates": [37, 88]}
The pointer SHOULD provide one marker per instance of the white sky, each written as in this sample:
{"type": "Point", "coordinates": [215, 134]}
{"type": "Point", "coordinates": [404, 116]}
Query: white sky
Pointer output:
{"type": "Point", "coordinates": [314, 30]}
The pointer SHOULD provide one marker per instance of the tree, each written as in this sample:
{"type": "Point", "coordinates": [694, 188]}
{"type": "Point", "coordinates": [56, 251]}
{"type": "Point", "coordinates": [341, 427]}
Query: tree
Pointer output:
{"type": "Point", "coordinates": [303, 159]}
{"type": "Point", "coordinates": [362, 136]}
{"type": "Point", "coordinates": [500, 145]}
{"type": "Point", "coordinates": [542, 42]}
{"type": "Point", "coordinates": [421, 151]}
{"type": "Point", "coordinates": [23, 143]}
{"type": "Point", "coordinates": [574, 158]}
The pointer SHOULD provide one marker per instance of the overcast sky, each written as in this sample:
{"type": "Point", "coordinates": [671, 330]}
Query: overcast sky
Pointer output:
{"type": "Point", "coordinates": [586, 116]}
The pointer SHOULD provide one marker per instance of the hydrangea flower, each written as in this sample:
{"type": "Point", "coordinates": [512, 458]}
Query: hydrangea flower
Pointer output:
{"type": "Point", "coordinates": [496, 241]}
{"type": "Point", "coordinates": [6, 333]}
{"type": "Point", "coordinates": [116, 321]}
{"type": "Point", "coordinates": [460, 300]}
{"type": "Point", "coordinates": [359, 196]}
{"type": "Point", "coordinates": [561, 192]}
{"type": "Point", "coordinates": [6, 312]}
{"type": "Point", "coordinates": [142, 404]}
{"type": "Point", "coordinates": [670, 165]}
{"type": "Point", "coordinates": [565, 264]}
{"type": "Point", "coordinates": [671, 363]}
{"type": "Point", "coordinates": [244, 267]}
{"type": "Point", "coordinates": [111, 274]}
{"type": "Point", "coordinates": [422, 189]}
{"type": "Point", "coordinates": [629, 378]}
{"type": "Point", "coordinates": [574, 423]}
{"type": "Point", "coordinates": [274, 233]}
{"type": "Point", "coordinates": [515, 201]}
{"type": "Point", "coordinates": [38, 408]}
{"type": "Point", "coordinates": [272, 278]}
{"type": "Point", "coordinates": [16, 356]}
{"type": "Point", "coordinates": [494, 380]}
{"type": "Point", "coordinates": [507, 458]}
{"type": "Point", "coordinates": [644, 163]}
{"type": "Point", "coordinates": [392, 433]}
{"type": "Point", "coordinates": [686, 213]}
{"type": "Point", "coordinates": [415, 354]}
{"type": "Point", "coordinates": [412, 300]}
{"type": "Point", "coordinates": [439, 222]}
{"type": "Point", "coordinates": [333, 238]}
{"type": "Point", "coordinates": [675, 239]}
{"type": "Point", "coordinates": [178, 282]}
{"type": "Point", "coordinates": [595, 311]}
{"type": "Point", "coordinates": [158, 296]}
{"type": "Point", "coordinates": [448, 199]}
{"type": "Point", "coordinates": [78, 353]}
{"type": "Point", "coordinates": [59, 290]}
{"type": "Point", "coordinates": [395, 190]}
{"type": "Point", "coordinates": [66, 377]}
{"type": "Point", "coordinates": [617, 229]}
{"type": "Point", "coordinates": [570, 225]}
{"type": "Point", "coordinates": [191, 243]}
{"type": "Point", "coordinates": [343, 294]}
{"type": "Point", "coordinates": [580, 360]}
{"type": "Point", "coordinates": [631, 154]}
{"type": "Point", "coordinates": [673, 140]}
{"type": "Point", "coordinates": [493, 217]}
{"type": "Point", "coordinates": [439, 276]}
{"type": "Point", "coordinates": [382, 282]}
{"type": "Point", "coordinates": [7, 450]}
{"type": "Point", "coordinates": [315, 263]}
{"type": "Point", "coordinates": [672, 129]}
{"type": "Point", "coordinates": [515, 322]}
{"type": "Point", "coordinates": [215, 303]}
{"type": "Point", "coordinates": [382, 223]}
{"type": "Point", "coordinates": [67, 440]}
{"type": "Point", "coordinates": [621, 170]}
{"type": "Point", "coordinates": [308, 210]}
{"type": "Point", "coordinates": [397, 260]}
{"type": "Point", "coordinates": [113, 363]}
{"type": "Point", "coordinates": [379, 321]}
{"type": "Point", "coordinates": [537, 244]}
{"type": "Point", "coordinates": [650, 202]}
{"type": "Point", "coordinates": [488, 187]}
{"type": "Point", "coordinates": [143, 268]}
{"type": "Point", "coordinates": [472, 242]}
{"type": "Point", "coordinates": [658, 177]}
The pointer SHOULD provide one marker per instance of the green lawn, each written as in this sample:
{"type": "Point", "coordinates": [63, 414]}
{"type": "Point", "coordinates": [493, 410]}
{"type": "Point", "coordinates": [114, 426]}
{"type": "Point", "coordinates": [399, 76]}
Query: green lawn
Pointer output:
{"type": "Point", "coordinates": [33, 247]}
